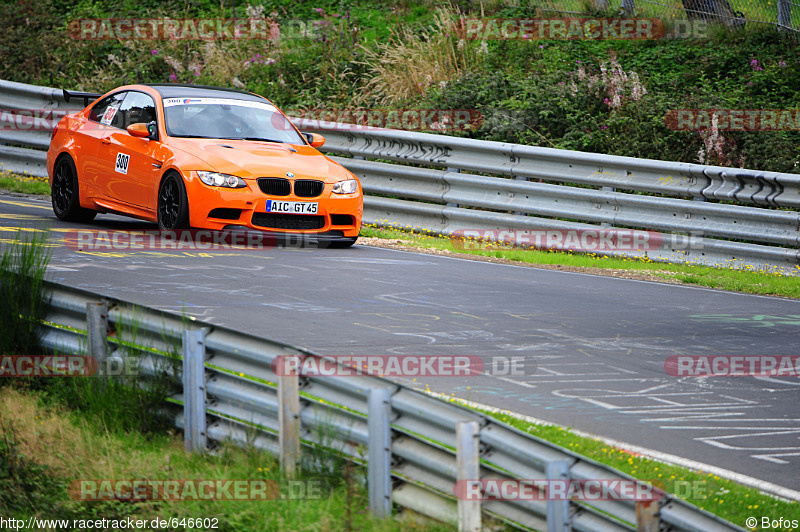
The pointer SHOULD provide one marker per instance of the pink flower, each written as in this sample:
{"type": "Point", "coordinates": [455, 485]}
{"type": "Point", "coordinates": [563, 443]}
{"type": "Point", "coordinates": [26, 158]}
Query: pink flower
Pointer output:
{"type": "Point", "coordinates": [154, 52]}
{"type": "Point", "coordinates": [173, 77]}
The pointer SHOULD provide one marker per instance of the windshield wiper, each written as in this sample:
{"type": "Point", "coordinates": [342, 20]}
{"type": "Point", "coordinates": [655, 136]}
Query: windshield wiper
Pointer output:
{"type": "Point", "coordinates": [262, 139]}
{"type": "Point", "coordinates": [192, 136]}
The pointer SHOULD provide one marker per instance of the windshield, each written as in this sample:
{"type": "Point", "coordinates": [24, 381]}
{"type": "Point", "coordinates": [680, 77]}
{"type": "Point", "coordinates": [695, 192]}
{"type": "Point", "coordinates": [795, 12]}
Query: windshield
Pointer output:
{"type": "Point", "coordinates": [227, 118]}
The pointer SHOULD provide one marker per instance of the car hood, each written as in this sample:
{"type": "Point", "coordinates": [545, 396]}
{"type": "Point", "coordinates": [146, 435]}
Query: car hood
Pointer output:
{"type": "Point", "coordinates": [249, 159]}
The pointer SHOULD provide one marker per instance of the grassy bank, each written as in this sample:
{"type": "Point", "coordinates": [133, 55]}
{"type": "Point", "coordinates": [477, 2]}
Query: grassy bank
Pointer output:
{"type": "Point", "coordinates": [45, 448]}
{"type": "Point", "coordinates": [605, 96]}
{"type": "Point", "coordinates": [24, 184]}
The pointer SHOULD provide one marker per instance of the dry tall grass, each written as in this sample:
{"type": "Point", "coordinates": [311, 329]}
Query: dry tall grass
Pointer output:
{"type": "Point", "coordinates": [411, 63]}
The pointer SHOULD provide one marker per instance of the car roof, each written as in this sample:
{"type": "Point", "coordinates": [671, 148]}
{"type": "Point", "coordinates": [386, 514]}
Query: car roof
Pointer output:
{"type": "Point", "coordinates": [176, 90]}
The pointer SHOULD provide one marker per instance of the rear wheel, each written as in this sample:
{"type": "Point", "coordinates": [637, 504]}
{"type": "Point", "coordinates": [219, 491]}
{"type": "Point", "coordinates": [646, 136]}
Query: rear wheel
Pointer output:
{"type": "Point", "coordinates": [65, 195]}
{"type": "Point", "coordinates": [173, 206]}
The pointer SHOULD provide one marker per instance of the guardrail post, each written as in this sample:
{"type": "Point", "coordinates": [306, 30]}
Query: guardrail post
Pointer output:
{"type": "Point", "coordinates": [379, 474]}
{"type": "Point", "coordinates": [457, 171]}
{"type": "Point", "coordinates": [97, 332]}
{"type": "Point", "coordinates": [697, 234]}
{"type": "Point", "coordinates": [289, 418]}
{"type": "Point", "coordinates": [629, 7]}
{"type": "Point", "coordinates": [520, 178]}
{"type": "Point", "coordinates": [468, 468]}
{"type": "Point", "coordinates": [607, 189]}
{"type": "Point", "coordinates": [785, 13]}
{"type": "Point", "coordinates": [194, 389]}
{"type": "Point", "coordinates": [647, 518]}
{"type": "Point", "coordinates": [557, 511]}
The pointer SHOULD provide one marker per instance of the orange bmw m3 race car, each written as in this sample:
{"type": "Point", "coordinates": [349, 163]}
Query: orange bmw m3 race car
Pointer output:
{"type": "Point", "coordinates": [187, 156]}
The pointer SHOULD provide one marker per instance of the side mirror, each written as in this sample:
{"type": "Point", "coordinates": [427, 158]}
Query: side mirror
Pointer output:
{"type": "Point", "coordinates": [144, 131]}
{"type": "Point", "coordinates": [315, 139]}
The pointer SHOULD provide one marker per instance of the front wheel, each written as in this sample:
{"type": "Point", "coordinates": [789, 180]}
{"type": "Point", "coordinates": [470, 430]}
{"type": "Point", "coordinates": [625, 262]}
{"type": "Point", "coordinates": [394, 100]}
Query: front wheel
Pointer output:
{"type": "Point", "coordinates": [65, 195]}
{"type": "Point", "coordinates": [173, 206]}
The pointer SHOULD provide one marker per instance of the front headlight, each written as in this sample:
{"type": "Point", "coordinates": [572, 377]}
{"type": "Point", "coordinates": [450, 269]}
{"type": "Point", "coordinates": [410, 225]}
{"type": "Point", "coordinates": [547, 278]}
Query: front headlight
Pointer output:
{"type": "Point", "coordinates": [346, 187]}
{"type": "Point", "coordinates": [216, 179]}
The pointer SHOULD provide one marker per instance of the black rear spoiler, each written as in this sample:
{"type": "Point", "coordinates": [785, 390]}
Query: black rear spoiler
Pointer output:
{"type": "Point", "coordinates": [87, 96]}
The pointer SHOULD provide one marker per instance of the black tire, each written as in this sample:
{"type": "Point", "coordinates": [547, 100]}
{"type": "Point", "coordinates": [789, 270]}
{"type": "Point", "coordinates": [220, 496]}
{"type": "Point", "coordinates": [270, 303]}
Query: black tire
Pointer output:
{"type": "Point", "coordinates": [65, 196]}
{"type": "Point", "coordinates": [342, 243]}
{"type": "Point", "coordinates": [173, 206]}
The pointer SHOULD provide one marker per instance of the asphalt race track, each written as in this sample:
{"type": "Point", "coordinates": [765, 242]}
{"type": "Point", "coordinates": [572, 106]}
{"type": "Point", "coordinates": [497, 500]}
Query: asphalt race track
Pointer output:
{"type": "Point", "coordinates": [593, 347]}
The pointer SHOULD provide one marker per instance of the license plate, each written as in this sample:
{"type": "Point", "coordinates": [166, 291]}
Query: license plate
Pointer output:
{"type": "Point", "coordinates": [292, 207]}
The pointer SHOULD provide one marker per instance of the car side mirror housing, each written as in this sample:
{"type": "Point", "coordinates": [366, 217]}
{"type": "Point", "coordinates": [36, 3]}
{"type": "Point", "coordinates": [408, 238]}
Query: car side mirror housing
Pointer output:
{"type": "Point", "coordinates": [315, 139]}
{"type": "Point", "coordinates": [139, 130]}
{"type": "Point", "coordinates": [144, 131]}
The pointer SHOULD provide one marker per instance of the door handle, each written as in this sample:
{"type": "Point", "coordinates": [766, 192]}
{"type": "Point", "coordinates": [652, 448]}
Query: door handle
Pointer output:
{"type": "Point", "coordinates": [106, 140]}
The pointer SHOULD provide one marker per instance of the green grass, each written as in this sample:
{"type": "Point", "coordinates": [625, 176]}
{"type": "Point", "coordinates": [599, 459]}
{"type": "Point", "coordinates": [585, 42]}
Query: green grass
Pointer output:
{"type": "Point", "coordinates": [776, 282]}
{"type": "Point", "coordinates": [24, 183]}
{"type": "Point", "coordinates": [52, 446]}
{"type": "Point", "coordinates": [23, 301]}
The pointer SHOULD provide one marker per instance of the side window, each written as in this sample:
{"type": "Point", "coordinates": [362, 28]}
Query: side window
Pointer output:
{"type": "Point", "coordinates": [106, 111]}
{"type": "Point", "coordinates": [138, 107]}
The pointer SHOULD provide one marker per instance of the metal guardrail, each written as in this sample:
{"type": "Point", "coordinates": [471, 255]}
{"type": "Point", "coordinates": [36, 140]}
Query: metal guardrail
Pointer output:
{"type": "Point", "coordinates": [699, 214]}
{"type": "Point", "coordinates": [672, 199]}
{"type": "Point", "coordinates": [417, 446]}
